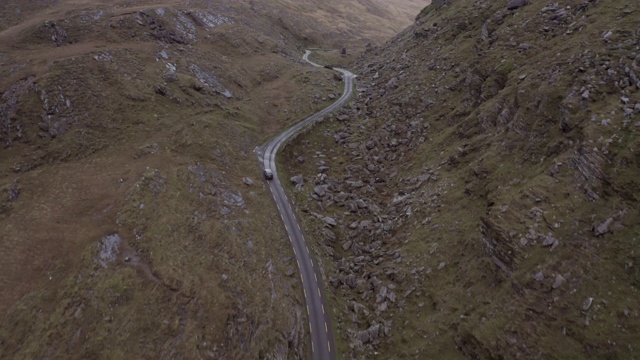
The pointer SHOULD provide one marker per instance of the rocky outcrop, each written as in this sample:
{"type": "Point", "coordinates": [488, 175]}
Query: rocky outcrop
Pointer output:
{"type": "Point", "coordinates": [159, 30]}
{"type": "Point", "coordinates": [11, 128]}
{"type": "Point", "coordinates": [209, 79]}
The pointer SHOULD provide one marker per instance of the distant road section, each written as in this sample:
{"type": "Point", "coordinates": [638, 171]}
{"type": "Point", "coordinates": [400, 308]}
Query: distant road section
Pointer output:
{"type": "Point", "coordinates": [322, 340]}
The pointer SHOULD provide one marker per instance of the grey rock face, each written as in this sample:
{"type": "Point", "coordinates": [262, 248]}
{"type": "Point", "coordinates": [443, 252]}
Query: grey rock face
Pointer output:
{"type": "Point", "coordinates": [108, 249]}
{"type": "Point", "coordinates": [210, 80]}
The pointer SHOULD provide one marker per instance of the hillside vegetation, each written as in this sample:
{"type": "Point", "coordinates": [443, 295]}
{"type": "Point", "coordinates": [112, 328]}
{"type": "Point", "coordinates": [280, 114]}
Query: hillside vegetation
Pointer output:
{"type": "Point", "coordinates": [484, 186]}
{"type": "Point", "coordinates": [133, 223]}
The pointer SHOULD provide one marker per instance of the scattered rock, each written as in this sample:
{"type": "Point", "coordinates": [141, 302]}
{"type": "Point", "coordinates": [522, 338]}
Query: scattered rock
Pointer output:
{"type": "Point", "coordinates": [330, 221]}
{"type": "Point", "coordinates": [442, 265]}
{"type": "Point", "coordinates": [587, 303]}
{"type": "Point", "coordinates": [392, 84]}
{"type": "Point", "coordinates": [231, 198]}
{"type": "Point", "coordinates": [104, 57]}
{"type": "Point", "coordinates": [539, 276]}
{"type": "Point", "coordinates": [391, 296]}
{"type": "Point", "coordinates": [558, 282]}
{"type": "Point", "coordinates": [365, 224]}
{"type": "Point", "coordinates": [248, 181]}
{"type": "Point", "coordinates": [108, 249]}
{"type": "Point", "coordinates": [382, 294]}
{"type": "Point", "coordinates": [602, 228]}
{"type": "Point", "coordinates": [170, 77]}
{"type": "Point", "coordinates": [375, 282]}
{"type": "Point", "coordinates": [363, 336]}
{"type": "Point", "coordinates": [372, 333]}
{"type": "Point", "coordinates": [361, 204]}
{"type": "Point", "coordinates": [550, 241]}
{"type": "Point", "coordinates": [382, 307]}
{"type": "Point", "coordinates": [329, 234]}
{"type": "Point", "coordinates": [347, 245]}
{"type": "Point", "coordinates": [320, 190]}
{"type": "Point", "coordinates": [13, 191]}
{"type": "Point", "coordinates": [485, 31]}
{"type": "Point", "coordinates": [297, 180]}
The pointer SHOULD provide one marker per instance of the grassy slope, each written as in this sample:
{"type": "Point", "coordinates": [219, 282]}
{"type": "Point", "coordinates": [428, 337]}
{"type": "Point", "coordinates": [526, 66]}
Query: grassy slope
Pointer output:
{"type": "Point", "coordinates": [157, 161]}
{"type": "Point", "coordinates": [518, 154]}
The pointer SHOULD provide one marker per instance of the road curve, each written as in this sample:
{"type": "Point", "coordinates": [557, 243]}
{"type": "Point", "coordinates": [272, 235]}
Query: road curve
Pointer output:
{"type": "Point", "coordinates": [322, 340]}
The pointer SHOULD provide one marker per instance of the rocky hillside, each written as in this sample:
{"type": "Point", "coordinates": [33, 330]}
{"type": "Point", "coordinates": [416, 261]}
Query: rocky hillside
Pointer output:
{"type": "Point", "coordinates": [479, 199]}
{"type": "Point", "coordinates": [133, 223]}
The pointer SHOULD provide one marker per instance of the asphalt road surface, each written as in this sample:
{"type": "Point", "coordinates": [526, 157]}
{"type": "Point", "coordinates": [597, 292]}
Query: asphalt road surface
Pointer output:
{"type": "Point", "coordinates": [322, 341]}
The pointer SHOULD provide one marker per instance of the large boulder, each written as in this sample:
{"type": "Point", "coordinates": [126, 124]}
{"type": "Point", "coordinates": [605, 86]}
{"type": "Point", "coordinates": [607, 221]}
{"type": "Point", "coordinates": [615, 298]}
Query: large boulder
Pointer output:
{"type": "Point", "coordinates": [297, 180]}
{"type": "Point", "coordinates": [330, 221]}
{"type": "Point", "coordinates": [514, 4]}
{"type": "Point", "coordinates": [320, 190]}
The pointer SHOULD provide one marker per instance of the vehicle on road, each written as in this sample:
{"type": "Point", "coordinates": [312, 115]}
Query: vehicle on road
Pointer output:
{"type": "Point", "coordinates": [268, 174]}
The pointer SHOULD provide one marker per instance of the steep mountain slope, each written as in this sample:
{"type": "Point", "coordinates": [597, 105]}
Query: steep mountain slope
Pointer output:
{"type": "Point", "coordinates": [132, 220]}
{"type": "Point", "coordinates": [127, 231]}
{"type": "Point", "coordinates": [337, 23]}
{"type": "Point", "coordinates": [480, 197]}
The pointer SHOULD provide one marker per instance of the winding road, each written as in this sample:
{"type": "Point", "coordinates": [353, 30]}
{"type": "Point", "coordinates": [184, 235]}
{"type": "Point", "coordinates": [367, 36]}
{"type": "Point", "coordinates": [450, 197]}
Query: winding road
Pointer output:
{"type": "Point", "coordinates": [322, 340]}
